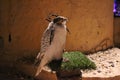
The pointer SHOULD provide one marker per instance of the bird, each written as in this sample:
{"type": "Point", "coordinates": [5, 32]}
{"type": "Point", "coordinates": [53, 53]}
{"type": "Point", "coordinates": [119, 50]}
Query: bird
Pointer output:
{"type": "Point", "coordinates": [52, 43]}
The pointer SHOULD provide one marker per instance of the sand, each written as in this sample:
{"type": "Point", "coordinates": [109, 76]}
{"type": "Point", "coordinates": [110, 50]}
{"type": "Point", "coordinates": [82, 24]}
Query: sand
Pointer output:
{"type": "Point", "coordinates": [107, 62]}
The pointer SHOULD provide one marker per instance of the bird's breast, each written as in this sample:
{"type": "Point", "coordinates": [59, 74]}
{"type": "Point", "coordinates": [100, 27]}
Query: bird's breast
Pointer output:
{"type": "Point", "coordinates": [60, 35]}
{"type": "Point", "coordinates": [59, 41]}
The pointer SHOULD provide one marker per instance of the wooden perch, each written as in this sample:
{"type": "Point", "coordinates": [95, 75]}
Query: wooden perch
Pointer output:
{"type": "Point", "coordinates": [60, 75]}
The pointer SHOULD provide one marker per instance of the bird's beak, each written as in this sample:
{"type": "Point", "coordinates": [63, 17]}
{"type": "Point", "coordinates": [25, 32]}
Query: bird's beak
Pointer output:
{"type": "Point", "coordinates": [65, 19]}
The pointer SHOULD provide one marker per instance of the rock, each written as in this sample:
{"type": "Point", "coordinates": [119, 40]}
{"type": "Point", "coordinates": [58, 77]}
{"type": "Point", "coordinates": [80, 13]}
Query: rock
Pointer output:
{"type": "Point", "coordinates": [99, 71]}
{"type": "Point", "coordinates": [110, 62]}
{"type": "Point", "coordinates": [112, 65]}
{"type": "Point", "coordinates": [94, 73]}
{"type": "Point", "coordinates": [117, 61]}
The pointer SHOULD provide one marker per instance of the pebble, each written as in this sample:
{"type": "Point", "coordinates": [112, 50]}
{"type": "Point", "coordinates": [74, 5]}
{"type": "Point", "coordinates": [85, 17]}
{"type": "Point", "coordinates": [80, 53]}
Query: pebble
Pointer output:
{"type": "Point", "coordinates": [117, 61]}
{"type": "Point", "coordinates": [112, 65]}
{"type": "Point", "coordinates": [94, 73]}
{"type": "Point", "coordinates": [98, 71]}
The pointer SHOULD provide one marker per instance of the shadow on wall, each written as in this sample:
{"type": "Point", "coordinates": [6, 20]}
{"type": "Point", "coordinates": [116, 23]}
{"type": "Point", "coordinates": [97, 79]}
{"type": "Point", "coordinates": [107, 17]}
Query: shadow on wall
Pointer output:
{"type": "Point", "coordinates": [103, 45]}
{"type": "Point", "coordinates": [1, 42]}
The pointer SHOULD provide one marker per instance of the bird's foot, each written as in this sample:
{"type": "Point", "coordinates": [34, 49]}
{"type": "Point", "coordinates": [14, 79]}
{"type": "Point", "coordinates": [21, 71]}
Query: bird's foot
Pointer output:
{"type": "Point", "coordinates": [46, 68]}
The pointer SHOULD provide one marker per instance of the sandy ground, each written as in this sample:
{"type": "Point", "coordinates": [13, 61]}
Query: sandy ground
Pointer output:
{"type": "Point", "coordinates": [107, 62]}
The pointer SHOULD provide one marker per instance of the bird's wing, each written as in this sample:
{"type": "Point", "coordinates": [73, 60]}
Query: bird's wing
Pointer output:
{"type": "Point", "coordinates": [47, 38]}
{"type": "Point", "coordinates": [45, 42]}
{"type": "Point", "coordinates": [52, 34]}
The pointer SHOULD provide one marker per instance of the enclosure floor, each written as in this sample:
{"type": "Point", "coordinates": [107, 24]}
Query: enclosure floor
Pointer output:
{"type": "Point", "coordinates": [107, 62]}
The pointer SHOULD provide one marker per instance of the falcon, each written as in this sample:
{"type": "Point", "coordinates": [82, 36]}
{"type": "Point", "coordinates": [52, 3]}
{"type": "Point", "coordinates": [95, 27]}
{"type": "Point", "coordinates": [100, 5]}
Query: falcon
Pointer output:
{"type": "Point", "coordinates": [52, 44]}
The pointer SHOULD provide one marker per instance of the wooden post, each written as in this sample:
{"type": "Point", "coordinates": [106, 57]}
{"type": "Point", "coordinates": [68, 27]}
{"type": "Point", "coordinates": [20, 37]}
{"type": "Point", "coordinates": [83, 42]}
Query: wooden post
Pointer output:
{"type": "Point", "coordinates": [60, 75]}
{"type": "Point", "coordinates": [69, 75]}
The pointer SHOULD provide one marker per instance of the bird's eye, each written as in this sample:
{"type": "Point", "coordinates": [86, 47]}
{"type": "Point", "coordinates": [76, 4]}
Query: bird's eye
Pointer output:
{"type": "Point", "coordinates": [61, 21]}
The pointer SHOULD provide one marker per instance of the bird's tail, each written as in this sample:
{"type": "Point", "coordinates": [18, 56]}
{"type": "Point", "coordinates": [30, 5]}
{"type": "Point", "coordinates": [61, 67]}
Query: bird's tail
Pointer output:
{"type": "Point", "coordinates": [38, 71]}
{"type": "Point", "coordinates": [45, 60]}
{"type": "Point", "coordinates": [38, 58]}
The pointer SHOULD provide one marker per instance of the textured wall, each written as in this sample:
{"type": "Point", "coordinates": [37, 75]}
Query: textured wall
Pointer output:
{"type": "Point", "coordinates": [117, 31]}
{"type": "Point", "coordinates": [22, 23]}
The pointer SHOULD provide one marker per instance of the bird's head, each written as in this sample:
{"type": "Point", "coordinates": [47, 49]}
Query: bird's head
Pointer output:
{"type": "Point", "coordinates": [60, 20]}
